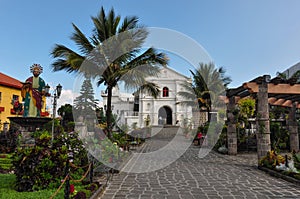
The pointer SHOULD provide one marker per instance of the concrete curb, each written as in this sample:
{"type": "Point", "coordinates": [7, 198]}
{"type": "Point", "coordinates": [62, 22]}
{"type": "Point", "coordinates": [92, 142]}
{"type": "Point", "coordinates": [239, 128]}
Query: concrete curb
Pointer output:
{"type": "Point", "coordinates": [99, 192]}
{"type": "Point", "coordinates": [279, 175]}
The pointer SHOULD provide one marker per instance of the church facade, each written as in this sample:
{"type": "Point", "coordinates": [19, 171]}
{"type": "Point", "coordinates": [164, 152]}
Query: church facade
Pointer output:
{"type": "Point", "coordinates": [140, 110]}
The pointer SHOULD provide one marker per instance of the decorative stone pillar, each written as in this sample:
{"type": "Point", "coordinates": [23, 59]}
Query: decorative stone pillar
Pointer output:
{"type": "Point", "coordinates": [231, 128]}
{"type": "Point", "coordinates": [293, 128]}
{"type": "Point", "coordinates": [262, 119]}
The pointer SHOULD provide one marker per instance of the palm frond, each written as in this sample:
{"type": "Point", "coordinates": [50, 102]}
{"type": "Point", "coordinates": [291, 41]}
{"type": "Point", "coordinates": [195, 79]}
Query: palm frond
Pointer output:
{"type": "Point", "coordinates": [81, 41]}
{"type": "Point", "coordinates": [128, 24]}
{"type": "Point", "coordinates": [150, 88]}
{"type": "Point", "coordinates": [68, 60]}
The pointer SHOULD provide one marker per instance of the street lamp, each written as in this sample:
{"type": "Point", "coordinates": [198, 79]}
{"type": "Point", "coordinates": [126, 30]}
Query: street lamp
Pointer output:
{"type": "Point", "coordinates": [56, 95]}
{"type": "Point", "coordinates": [5, 126]}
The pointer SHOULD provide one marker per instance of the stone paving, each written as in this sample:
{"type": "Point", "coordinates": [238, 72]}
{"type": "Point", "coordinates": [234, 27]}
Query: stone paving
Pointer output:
{"type": "Point", "coordinates": [215, 176]}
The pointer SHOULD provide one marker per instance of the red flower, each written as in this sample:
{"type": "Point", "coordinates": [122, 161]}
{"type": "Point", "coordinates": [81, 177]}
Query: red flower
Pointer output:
{"type": "Point", "coordinates": [72, 188]}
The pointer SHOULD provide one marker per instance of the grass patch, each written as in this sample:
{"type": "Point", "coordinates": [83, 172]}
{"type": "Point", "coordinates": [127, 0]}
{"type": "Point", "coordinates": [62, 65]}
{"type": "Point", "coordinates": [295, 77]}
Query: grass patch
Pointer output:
{"type": "Point", "coordinates": [5, 161]}
{"type": "Point", "coordinates": [7, 190]}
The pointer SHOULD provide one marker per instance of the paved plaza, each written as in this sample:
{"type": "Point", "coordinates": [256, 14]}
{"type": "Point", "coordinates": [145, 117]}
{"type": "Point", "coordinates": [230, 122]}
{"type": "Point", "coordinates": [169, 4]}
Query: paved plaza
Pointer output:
{"type": "Point", "coordinates": [214, 176]}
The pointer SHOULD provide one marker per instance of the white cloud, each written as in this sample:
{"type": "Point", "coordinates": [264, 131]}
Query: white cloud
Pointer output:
{"type": "Point", "coordinates": [66, 97]}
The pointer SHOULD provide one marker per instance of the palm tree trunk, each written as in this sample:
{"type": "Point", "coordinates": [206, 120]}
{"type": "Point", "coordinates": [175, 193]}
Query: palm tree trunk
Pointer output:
{"type": "Point", "coordinates": [208, 114]}
{"type": "Point", "coordinates": [109, 112]}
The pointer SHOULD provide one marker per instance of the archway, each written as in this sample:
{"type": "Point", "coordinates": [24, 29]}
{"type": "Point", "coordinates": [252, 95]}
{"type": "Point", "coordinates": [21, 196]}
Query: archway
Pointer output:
{"type": "Point", "coordinates": [165, 115]}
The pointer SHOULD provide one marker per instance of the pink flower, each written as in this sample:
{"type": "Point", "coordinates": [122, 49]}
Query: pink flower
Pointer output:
{"type": "Point", "coordinates": [72, 188]}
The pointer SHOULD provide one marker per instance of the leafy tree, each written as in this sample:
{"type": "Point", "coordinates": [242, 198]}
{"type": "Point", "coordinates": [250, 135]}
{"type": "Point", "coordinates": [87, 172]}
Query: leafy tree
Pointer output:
{"type": "Point", "coordinates": [113, 50]}
{"type": "Point", "coordinates": [246, 107]}
{"type": "Point", "coordinates": [246, 110]}
{"type": "Point", "coordinates": [66, 113]}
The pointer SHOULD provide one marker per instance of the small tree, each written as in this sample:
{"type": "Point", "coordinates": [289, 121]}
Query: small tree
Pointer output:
{"type": "Point", "coordinates": [246, 109]}
{"type": "Point", "coordinates": [85, 103]}
{"type": "Point", "coordinates": [66, 113]}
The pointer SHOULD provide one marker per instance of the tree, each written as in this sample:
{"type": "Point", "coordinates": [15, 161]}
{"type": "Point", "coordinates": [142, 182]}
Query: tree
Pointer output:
{"type": "Point", "coordinates": [66, 113]}
{"type": "Point", "coordinates": [246, 110]}
{"type": "Point", "coordinates": [85, 103]}
{"type": "Point", "coordinates": [246, 107]}
{"type": "Point", "coordinates": [111, 54]}
{"type": "Point", "coordinates": [207, 85]}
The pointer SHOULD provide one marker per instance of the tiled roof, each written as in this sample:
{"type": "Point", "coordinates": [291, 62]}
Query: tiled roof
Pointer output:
{"type": "Point", "coordinates": [8, 81]}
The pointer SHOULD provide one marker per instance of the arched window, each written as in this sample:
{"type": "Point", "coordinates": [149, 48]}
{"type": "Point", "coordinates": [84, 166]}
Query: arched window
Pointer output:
{"type": "Point", "coordinates": [165, 92]}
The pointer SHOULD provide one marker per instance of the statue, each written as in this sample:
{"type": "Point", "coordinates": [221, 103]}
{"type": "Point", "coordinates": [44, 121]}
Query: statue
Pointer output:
{"type": "Point", "coordinates": [33, 91]}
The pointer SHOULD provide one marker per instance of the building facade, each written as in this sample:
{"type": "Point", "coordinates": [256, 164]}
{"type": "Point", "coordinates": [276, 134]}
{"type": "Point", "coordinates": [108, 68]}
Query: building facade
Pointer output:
{"type": "Point", "coordinates": [11, 100]}
{"type": "Point", "coordinates": [291, 70]}
{"type": "Point", "coordinates": [10, 94]}
{"type": "Point", "coordinates": [141, 109]}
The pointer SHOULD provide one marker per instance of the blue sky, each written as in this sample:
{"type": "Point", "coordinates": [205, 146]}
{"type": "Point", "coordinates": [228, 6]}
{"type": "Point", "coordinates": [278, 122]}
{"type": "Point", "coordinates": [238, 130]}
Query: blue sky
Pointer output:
{"type": "Point", "coordinates": [247, 38]}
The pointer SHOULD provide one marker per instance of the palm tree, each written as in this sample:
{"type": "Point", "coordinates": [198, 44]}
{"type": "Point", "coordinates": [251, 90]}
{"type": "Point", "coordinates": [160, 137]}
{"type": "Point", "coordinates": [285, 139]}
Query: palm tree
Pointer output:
{"type": "Point", "coordinates": [111, 54]}
{"type": "Point", "coordinates": [208, 83]}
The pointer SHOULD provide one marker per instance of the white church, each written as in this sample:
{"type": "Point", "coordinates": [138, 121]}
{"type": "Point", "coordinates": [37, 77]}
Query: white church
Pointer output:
{"type": "Point", "coordinates": [142, 110]}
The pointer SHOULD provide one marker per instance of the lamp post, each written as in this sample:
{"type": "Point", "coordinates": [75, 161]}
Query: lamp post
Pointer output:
{"type": "Point", "coordinates": [56, 95]}
{"type": "Point", "coordinates": [5, 126]}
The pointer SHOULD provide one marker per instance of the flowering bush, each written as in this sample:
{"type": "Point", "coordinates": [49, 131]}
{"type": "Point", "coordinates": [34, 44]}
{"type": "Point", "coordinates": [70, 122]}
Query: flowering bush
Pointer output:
{"type": "Point", "coordinates": [271, 160]}
{"type": "Point", "coordinates": [278, 163]}
{"type": "Point", "coordinates": [42, 166]}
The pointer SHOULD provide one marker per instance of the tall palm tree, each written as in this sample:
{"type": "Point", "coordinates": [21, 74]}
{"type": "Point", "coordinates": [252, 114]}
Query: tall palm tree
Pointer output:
{"type": "Point", "coordinates": [208, 83]}
{"type": "Point", "coordinates": [111, 54]}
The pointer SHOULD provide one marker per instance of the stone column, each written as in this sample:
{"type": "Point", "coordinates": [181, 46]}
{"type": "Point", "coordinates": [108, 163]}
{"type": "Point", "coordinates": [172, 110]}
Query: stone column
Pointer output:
{"type": "Point", "coordinates": [293, 128]}
{"type": "Point", "coordinates": [231, 128]}
{"type": "Point", "coordinates": [262, 120]}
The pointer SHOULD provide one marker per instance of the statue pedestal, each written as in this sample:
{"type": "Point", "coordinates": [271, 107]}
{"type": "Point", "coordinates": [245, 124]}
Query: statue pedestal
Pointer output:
{"type": "Point", "coordinates": [27, 125]}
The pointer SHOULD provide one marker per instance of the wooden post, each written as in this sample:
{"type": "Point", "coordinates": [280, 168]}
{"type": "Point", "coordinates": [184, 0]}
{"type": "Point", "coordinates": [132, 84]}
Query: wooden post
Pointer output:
{"type": "Point", "coordinates": [67, 186]}
{"type": "Point", "coordinates": [262, 119]}
{"type": "Point", "coordinates": [231, 128]}
{"type": "Point", "coordinates": [293, 128]}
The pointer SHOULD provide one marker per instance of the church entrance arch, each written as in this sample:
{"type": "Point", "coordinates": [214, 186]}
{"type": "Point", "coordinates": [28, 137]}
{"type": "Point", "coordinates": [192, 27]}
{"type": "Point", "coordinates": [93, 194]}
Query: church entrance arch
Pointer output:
{"type": "Point", "coordinates": [165, 115]}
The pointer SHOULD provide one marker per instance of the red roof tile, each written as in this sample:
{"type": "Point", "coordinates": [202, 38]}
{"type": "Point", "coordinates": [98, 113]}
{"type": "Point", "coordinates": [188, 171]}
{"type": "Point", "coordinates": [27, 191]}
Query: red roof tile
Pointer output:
{"type": "Point", "coordinates": [8, 81]}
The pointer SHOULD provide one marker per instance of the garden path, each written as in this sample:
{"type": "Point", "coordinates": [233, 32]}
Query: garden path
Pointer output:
{"type": "Point", "coordinates": [214, 176]}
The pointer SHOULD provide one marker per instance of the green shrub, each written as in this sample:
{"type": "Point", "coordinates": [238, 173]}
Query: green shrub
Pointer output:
{"type": "Point", "coordinates": [5, 162]}
{"type": "Point", "coordinates": [41, 166]}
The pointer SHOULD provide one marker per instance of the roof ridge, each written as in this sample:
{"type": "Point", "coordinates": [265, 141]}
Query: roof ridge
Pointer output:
{"type": "Point", "coordinates": [9, 81]}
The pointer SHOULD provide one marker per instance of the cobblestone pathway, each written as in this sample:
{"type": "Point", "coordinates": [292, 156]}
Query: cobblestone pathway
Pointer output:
{"type": "Point", "coordinates": [215, 176]}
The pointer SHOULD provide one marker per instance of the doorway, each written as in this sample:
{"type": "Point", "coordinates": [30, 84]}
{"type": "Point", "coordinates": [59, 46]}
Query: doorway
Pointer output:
{"type": "Point", "coordinates": [165, 115]}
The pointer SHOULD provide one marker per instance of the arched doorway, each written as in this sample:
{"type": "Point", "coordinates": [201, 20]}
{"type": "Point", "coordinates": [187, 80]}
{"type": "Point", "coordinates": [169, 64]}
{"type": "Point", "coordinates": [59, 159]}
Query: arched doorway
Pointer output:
{"type": "Point", "coordinates": [165, 115]}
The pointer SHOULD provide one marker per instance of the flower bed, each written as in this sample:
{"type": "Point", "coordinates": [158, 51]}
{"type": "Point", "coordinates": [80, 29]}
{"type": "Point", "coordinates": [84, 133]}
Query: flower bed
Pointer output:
{"type": "Point", "coordinates": [287, 167]}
